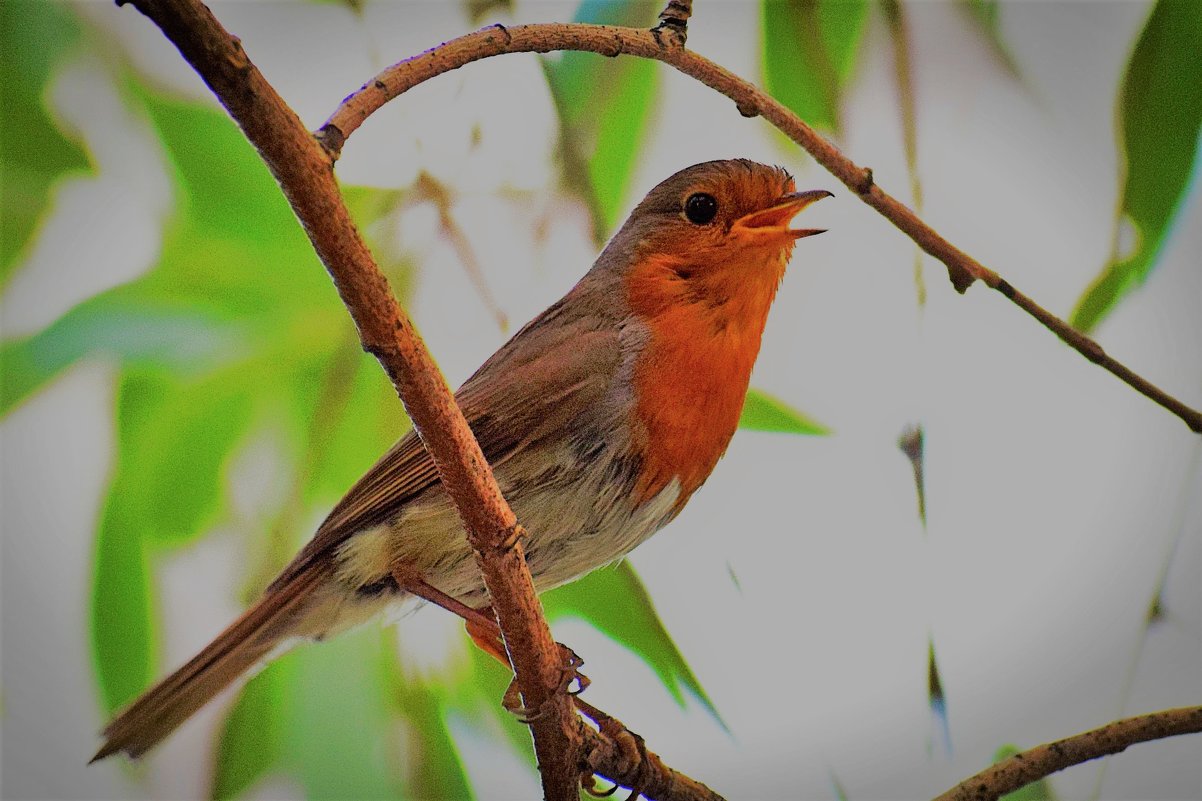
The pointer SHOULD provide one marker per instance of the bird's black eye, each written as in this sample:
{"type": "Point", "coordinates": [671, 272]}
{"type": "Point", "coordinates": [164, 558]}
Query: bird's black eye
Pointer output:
{"type": "Point", "coordinates": [700, 208]}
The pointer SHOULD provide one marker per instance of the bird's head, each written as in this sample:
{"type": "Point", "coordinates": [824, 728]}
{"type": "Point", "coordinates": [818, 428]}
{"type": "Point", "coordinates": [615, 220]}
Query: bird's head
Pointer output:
{"type": "Point", "coordinates": [713, 232]}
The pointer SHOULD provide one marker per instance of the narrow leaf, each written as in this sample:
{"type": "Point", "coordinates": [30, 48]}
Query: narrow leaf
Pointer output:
{"type": "Point", "coordinates": [985, 14]}
{"type": "Point", "coordinates": [123, 630]}
{"type": "Point", "coordinates": [35, 154]}
{"type": "Point", "coordinates": [809, 50]}
{"type": "Point", "coordinates": [490, 680]}
{"type": "Point", "coordinates": [122, 324]}
{"type": "Point", "coordinates": [1039, 790]}
{"type": "Point", "coordinates": [605, 108]}
{"type": "Point", "coordinates": [435, 770]}
{"type": "Point", "coordinates": [251, 742]}
{"type": "Point", "coordinates": [1160, 114]}
{"type": "Point", "coordinates": [763, 412]}
{"type": "Point", "coordinates": [615, 601]}
{"type": "Point", "coordinates": [911, 443]}
{"type": "Point", "coordinates": [936, 698]}
{"type": "Point", "coordinates": [174, 437]}
{"type": "Point", "coordinates": [342, 736]}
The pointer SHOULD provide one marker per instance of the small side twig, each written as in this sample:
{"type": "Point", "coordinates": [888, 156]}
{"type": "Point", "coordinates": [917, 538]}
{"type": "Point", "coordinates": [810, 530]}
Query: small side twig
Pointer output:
{"type": "Point", "coordinates": [750, 101]}
{"type": "Point", "coordinates": [1044, 760]}
{"type": "Point", "coordinates": [615, 753]}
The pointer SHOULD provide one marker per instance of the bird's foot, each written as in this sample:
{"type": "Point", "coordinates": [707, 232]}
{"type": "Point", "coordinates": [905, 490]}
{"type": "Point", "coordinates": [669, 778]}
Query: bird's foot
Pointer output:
{"type": "Point", "coordinates": [570, 674]}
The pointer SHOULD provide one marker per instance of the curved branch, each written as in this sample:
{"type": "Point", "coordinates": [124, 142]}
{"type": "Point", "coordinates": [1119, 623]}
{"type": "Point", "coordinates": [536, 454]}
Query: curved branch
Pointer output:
{"type": "Point", "coordinates": [1044, 760]}
{"type": "Point", "coordinates": [610, 40]}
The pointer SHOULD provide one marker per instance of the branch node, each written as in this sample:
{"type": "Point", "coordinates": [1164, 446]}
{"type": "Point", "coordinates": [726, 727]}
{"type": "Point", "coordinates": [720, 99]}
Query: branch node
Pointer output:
{"type": "Point", "coordinates": [866, 182]}
{"type": "Point", "coordinates": [331, 139]}
{"type": "Point", "coordinates": [504, 32]}
{"type": "Point", "coordinates": [513, 535]}
{"type": "Point", "coordinates": [748, 108]}
{"type": "Point", "coordinates": [1092, 350]}
{"type": "Point", "coordinates": [619, 46]}
{"type": "Point", "coordinates": [237, 57]}
{"type": "Point", "coordinates": [674, 20]}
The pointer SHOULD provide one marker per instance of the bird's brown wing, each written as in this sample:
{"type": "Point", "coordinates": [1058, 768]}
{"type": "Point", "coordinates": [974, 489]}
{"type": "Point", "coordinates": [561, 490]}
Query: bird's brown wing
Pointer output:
{"type": "Point", "coordinates": [546, 378]}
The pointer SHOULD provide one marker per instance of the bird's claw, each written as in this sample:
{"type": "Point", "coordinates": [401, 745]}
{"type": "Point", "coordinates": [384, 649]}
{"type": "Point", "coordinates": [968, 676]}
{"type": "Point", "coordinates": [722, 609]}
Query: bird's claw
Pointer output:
{"type": "Point", "coordinates": [571, 672]}
{"type": "Point", "coordinates": [512, 700]}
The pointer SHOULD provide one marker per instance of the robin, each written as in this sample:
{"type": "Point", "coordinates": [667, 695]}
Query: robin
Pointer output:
{"type": "Point", "coordinates": [600, 418]}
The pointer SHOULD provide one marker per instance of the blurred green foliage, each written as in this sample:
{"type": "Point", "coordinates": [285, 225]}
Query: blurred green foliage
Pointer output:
{"type": "Point", "coordinates": [35, 152]}
{"type": "Point", "coordinates": [809, 53]}
{"type": "Point", "coordinates": [604, 108]}
{"type": "Point", "coordinates": [1159, 117]}
{"type": "Point", "coordinates": [985, 13]}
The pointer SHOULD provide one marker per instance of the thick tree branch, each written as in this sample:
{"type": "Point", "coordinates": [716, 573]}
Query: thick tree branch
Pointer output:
{"type": "Point", "coordinates": [611, 40]}
{"type": "Point", "coordinates": [305, 174]}
{"type": "Point", "coordinates": [1044, 760]}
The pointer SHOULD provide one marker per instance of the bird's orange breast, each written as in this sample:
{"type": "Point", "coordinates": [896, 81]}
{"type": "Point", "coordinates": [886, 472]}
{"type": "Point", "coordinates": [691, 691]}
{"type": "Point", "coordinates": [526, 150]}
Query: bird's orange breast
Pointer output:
{"type": "Point", "coordinates": [691, 379]}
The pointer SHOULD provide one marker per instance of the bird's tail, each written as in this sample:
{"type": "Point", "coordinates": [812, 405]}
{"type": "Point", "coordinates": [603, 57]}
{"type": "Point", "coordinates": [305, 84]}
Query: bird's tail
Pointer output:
{"type": "Point", "coordinates": [247, 641]}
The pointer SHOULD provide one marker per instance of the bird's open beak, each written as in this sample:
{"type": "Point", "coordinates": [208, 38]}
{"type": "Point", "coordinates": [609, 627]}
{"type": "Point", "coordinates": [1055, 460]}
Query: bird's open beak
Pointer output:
{"type": "Point", "coordinates": [776, 218]}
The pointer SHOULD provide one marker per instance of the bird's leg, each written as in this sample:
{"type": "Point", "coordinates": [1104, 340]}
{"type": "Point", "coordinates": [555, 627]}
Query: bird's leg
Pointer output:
{"type": "Point", "coordinates": [488, 639]}
{"type": "Point", "coordinates": [411, 581]}
{"type": "Point", "coordinates": [482, 627]}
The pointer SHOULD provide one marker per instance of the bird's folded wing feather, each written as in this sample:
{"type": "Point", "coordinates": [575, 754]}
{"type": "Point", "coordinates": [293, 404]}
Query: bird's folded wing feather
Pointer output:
{"type": "Point", "coordinates": [545, 378]}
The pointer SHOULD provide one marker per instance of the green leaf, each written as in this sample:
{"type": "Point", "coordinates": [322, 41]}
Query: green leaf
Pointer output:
{"type": "Point", "coordinates": [1160, 114]}
{"type": "Point", "coordinates": [936, 698]}
{"type": "Point", "coordinates": [174, 437]}
{"type": "Point", "coordinates": [985, 14]}
{"type": "Point", "coordinates": [1040, 790]}
{"type": "Point", "coordinates": [605, 108]}
{"type": "Point", "coordinates": [763, 412]}
{"type": "Point", "coordinates": [435, 769]}
{"type": "Point", "coordinates": [251, 742]}
{"type": "Point", "coordinates": [324, 714]}
{"type": "Point", "coordinates": [615, 602]}
{"type": "Point", "coordinates": [124, 324]}
{"type": "Point", "coordinates": [123, 629]}
{"type": "Point", "coordinates": [348, 444]}
{"type": "Point", "coordinates": [35, 37]}
{"type": "Point", "coordinates": [342, 737]}
{"type": "Point", "coordinates": [490, 679]}
{"type": "Point", "coordinates": [809, 50]}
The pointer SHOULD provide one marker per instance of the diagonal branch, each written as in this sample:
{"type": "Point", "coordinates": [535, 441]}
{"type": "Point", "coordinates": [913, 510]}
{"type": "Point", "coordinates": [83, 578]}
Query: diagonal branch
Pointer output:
{"type": "Point", "coordinates": [1044, 760]}
{"type": "Point", "coordinates": [610, 40]}
{"type": "Point", "coordinates": [304, 172]}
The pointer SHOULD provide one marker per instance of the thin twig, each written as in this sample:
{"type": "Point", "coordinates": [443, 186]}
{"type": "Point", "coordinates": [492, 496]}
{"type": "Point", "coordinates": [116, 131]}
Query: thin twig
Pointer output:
{"type": "Point", "coordinates": [304, 172]}
{"type": "Point", "coordinates": [438, 194]}
{"type": "Point", "coordinates": [751, 101]}
{"type": "Point", "coordinates": [1044, 760]}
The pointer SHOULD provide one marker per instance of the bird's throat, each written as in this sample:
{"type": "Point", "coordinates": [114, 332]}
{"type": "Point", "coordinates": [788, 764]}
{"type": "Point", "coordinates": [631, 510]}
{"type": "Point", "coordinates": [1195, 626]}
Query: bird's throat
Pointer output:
{"type": "Point", "coordinates": [691, 381]}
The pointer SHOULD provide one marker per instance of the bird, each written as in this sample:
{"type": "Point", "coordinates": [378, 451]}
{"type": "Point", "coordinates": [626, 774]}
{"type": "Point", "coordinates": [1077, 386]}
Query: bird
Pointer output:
{"type": "Point", "coordinates": [600, 418]}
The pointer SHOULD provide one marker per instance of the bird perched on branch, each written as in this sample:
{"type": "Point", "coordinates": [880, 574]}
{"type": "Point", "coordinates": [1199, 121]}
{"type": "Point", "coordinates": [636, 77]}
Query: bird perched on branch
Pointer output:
{"type": "Point", "coordinates": [600, 418]}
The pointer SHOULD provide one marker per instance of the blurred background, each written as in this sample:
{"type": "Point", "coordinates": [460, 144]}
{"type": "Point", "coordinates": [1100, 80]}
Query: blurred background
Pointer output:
{"type": "Point", "coordinates": [942, 534]}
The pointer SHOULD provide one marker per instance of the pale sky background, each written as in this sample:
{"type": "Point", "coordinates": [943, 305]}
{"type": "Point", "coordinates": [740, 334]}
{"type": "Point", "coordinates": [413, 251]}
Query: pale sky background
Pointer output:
{"type": "Point", "coordinates": [1056, 495]}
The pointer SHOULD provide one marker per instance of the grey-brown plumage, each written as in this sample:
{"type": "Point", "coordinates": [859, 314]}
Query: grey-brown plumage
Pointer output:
{"type": "Point", "coordinates": [600, 418]}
